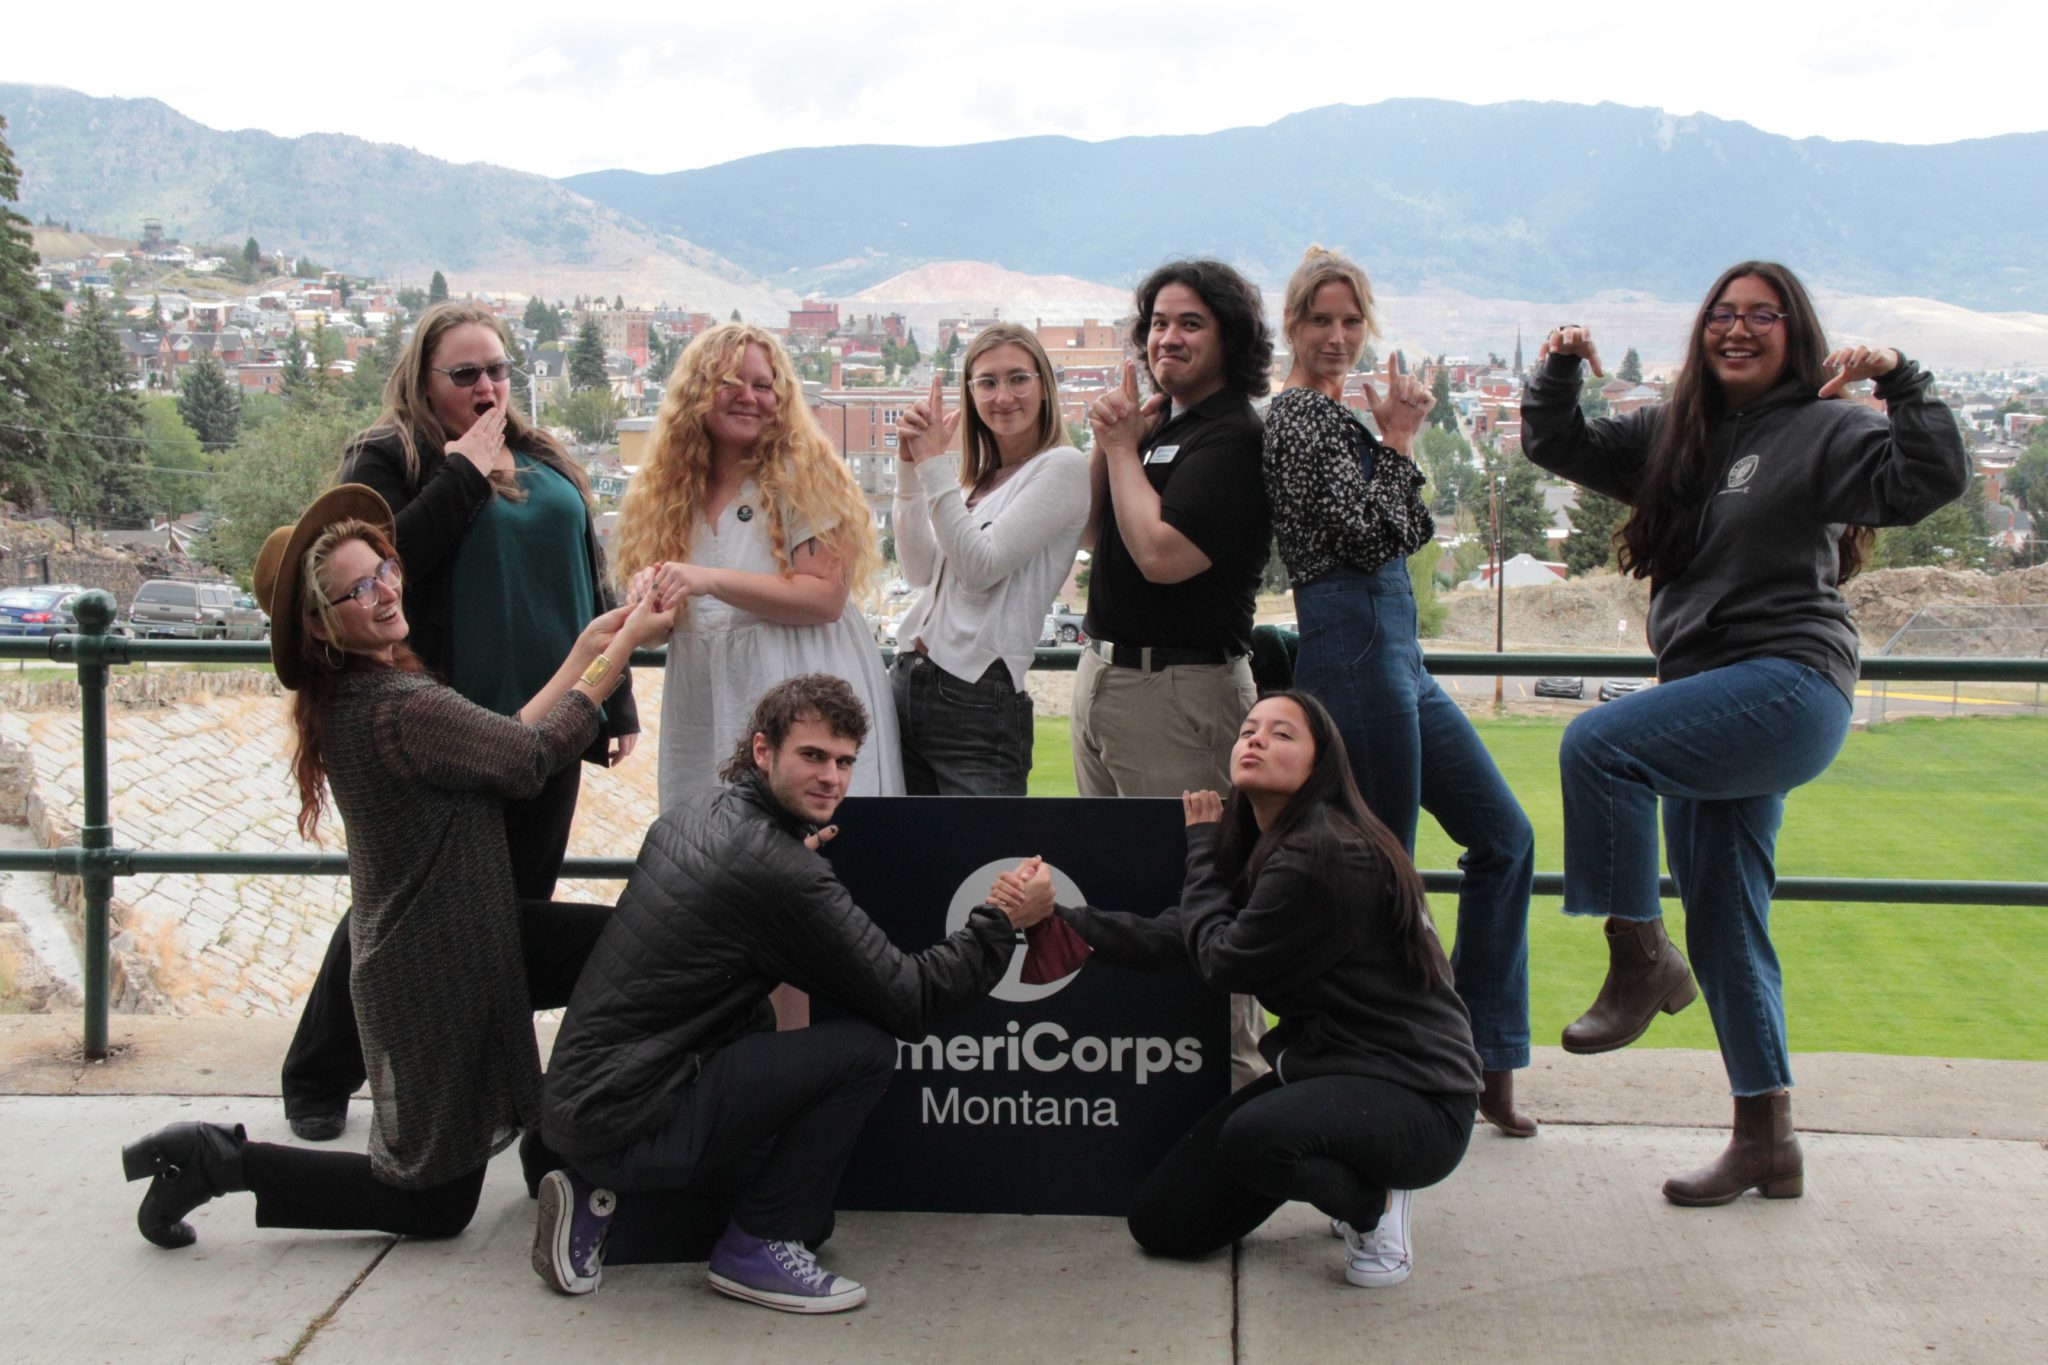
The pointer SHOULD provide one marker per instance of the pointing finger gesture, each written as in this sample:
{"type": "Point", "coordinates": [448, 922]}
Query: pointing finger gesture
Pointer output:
{"type": "Point", "coordinates": [1852, 363]}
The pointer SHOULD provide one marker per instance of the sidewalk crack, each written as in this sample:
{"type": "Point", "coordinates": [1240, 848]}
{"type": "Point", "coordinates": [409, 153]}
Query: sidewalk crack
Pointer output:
{"type": "Point", "coordinates": [306, 1337]}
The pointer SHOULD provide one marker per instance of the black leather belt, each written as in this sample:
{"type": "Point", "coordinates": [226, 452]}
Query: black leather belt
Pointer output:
{"type": "Point", "coordinates": [1150, 658]}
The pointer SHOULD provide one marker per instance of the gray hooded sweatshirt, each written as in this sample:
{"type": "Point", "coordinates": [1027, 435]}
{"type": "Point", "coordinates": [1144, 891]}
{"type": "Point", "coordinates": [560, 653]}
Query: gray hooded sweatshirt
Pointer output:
{"type": "Point", "coordinates": [1794, 470]}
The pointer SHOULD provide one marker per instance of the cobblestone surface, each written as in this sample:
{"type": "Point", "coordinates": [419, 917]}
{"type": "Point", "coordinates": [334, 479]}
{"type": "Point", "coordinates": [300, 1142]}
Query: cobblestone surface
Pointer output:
{"type": "Point", "coordinates": [211, 772]}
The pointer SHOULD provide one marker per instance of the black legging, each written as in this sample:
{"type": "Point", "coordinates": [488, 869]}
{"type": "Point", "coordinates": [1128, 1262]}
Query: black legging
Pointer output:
{"type": "Point", "coordinates": [1337, 1142]}
{"type": "Point", "coordinates": [297, 1188]}
{"type": "Point", "coordinates": [324, 1064]}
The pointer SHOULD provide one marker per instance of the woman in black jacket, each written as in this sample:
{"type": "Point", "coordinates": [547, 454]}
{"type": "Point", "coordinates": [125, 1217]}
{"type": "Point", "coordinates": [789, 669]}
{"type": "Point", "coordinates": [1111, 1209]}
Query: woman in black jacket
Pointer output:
{"type": "Point", "coordinates": [1750, 493]}
{"type": "Point", "coordinates": [1298, 895]}
{"type": "Point", "coordinates": [503, 570]}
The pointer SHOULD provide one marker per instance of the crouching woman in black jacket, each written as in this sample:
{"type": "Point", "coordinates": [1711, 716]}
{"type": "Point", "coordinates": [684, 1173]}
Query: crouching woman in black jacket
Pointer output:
{"type": "Point", "coordinates": [1298, 895]}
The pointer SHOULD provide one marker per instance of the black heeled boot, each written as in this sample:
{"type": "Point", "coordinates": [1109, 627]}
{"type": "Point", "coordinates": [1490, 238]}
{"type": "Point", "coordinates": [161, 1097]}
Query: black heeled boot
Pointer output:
{"type": "Point", "coordinates": [191, 1163]}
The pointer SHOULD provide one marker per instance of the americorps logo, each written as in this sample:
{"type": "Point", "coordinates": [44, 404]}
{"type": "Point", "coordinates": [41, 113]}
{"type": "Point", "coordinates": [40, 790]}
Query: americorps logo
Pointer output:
{"type": "Point", "coordinates": [1742, 471]}
{"type": "Point", "coordinates": [973, 891]}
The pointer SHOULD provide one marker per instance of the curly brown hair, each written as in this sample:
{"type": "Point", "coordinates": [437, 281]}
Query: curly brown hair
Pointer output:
{"type": "Point", "coordinates": [807, 696]}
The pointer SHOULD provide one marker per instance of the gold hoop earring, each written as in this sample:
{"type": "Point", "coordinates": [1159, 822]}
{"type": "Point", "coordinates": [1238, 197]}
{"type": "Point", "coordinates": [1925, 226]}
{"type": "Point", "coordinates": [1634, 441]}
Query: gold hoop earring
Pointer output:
{"type": "Point", "coordinates": [337, 659]}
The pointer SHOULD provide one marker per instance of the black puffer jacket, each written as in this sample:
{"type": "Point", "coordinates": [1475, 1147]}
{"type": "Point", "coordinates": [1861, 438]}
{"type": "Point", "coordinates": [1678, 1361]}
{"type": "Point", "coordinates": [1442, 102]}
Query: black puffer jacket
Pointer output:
{"type": "Point", "coordinates": [431, 514]}
{"type": "Point", "coordinates": [724, 903]}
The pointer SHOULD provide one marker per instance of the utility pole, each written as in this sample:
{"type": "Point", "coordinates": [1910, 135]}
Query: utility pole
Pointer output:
{"type": "Point", "coordinates": [1494, 491]}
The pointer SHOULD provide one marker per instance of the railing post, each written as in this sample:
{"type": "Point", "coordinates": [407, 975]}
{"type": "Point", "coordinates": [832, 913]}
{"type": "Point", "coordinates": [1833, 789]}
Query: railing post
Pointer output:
{"type": "Point", "coordinates": [95, 613]}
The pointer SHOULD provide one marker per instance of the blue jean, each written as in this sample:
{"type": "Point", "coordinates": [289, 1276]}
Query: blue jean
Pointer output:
{"type": "Point", "coordinates": [961, 738]}
{"type": "Point", "coordinates": [1721, 749]}
{"type": "Point", "coordinates": [1411, 750]}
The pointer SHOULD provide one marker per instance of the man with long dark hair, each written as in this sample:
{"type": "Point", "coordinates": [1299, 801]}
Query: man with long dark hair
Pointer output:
{"type": "Point", "coordinates": [1180, 533]}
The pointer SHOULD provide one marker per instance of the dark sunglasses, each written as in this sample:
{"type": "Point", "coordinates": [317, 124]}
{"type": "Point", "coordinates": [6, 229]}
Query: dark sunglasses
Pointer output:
{"type": "Point", "coordinates": [363, 592]}
{"type": "Point", "coordinates": [462, 376]}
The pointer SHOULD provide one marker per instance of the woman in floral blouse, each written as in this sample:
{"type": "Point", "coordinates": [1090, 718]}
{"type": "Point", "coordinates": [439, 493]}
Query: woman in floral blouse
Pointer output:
{"type": "Point", "coordinates": [1348, 512]}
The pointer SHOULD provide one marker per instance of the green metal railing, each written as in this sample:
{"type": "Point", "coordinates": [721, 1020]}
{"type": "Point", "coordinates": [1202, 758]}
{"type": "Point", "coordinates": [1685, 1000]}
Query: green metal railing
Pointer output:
{"type": "Point", "coordinates": [97, 863]}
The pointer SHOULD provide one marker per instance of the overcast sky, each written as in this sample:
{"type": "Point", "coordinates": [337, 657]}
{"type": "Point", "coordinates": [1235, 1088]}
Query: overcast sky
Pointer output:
{"type": "Point", "coordinates": [541, 88]}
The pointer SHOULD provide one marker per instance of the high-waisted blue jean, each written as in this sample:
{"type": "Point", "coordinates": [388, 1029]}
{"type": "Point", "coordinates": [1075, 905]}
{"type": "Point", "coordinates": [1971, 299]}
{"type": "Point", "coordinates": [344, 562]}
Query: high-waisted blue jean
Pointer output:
{"type": "Point", "coordinates": [1720, 749]}
{"type": "Point", "coordinates": [1411, 750]}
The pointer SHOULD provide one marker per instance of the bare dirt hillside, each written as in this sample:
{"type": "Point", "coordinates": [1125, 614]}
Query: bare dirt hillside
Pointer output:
{"type": "Point", "coordinates": [1582, 613]}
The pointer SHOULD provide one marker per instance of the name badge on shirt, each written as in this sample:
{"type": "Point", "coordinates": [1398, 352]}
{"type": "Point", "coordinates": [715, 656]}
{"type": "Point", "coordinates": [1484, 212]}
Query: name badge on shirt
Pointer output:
{"type": "Point", "coordinates": [1161, 454]}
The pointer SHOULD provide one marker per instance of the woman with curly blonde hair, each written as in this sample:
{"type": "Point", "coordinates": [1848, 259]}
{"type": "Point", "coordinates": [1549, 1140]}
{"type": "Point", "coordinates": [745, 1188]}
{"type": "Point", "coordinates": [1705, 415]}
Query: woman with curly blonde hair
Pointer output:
{"type": "Point", "coordinates": [744, 507]}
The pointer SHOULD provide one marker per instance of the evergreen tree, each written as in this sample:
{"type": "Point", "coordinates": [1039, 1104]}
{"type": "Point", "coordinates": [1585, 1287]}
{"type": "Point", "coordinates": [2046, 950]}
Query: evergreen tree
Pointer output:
{"type": "Point", "coordinates": [911, 355]}
{"type": "Point", "coordinates": [1442, 414]}
{"type": "Point", "coordinates": [208, 402]}
{"type": "Point", "coordinates": [173, 451]}
{"type": "Point", "coordinates": [252, 261]}
{"type": "Point", "coordinates": [1523, 520]}
{"type": "Point", "coordinates": [586, 359]}
{"type": "Point", "coordinates": [156, 313]}
{"type": "Point", "coordinates": [662, 351]}
{"type": "Point", "coordinates": [549, 328]}
{"type": "Point", "coordinates": [1595, 520]}
{"type": "Point", "coordinates": [1957, 536]}
{"type": "Point", "coordinates": [535, 311]}
{"type": "Point", "coordinates": [437, 288]}
{"type": "Point", "coordinates": [619, 303]}
{"type": "Point", "coordinates": [1631, 367]}
{"type": "Point", "coordinates": [735, 316]}
{"type": "Point", "coordinates": [103, 474]}
{"type": "Point", "coordinates": [296, 383]}
{"type": "Point", "coordinates": [30, 380]}
{"type": "Point", "coordinates": [412, 300]}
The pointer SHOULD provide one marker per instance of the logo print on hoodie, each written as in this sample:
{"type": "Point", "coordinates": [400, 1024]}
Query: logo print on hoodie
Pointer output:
{"type": "Point", "coordinates": [1740, 473]}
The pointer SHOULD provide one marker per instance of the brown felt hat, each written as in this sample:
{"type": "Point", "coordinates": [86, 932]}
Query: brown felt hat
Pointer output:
{"type": "Point", "coordinates": [281, 563]}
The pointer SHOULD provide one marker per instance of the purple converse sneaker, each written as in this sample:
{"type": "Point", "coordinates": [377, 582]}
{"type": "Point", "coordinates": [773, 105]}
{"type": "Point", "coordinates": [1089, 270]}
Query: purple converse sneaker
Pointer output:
{"type": "Point", "coordinates": [568, 1234]}
{"type": "Point", "coordinates": [782, 1275]}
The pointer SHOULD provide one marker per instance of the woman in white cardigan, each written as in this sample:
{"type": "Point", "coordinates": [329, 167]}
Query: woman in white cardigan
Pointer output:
{"type": "Point", "coordinates": [990, 544]}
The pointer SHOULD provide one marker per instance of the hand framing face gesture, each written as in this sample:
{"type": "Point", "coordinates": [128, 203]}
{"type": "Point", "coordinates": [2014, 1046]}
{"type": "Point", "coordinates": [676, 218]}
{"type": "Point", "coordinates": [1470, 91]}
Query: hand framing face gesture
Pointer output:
{"type": "Point", "coordinates": [1401, 411]}
{"type": "Point", "coordinates": [1571, 339]}
{"type": "Point", "coordinates": [926, 429]}
{"type": "Point", "coordinates": [1857, 362]}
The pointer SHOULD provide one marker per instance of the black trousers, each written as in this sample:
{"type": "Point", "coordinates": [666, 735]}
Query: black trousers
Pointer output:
{"type": "Point", "coordinates": [299, 1188]}
{"type": "Point", "coordinates": [1337, 1142]}
{"type": "Point", "coordinates": [789, 1104]}
{"type": "Point", "coordinates": [324, 1064]}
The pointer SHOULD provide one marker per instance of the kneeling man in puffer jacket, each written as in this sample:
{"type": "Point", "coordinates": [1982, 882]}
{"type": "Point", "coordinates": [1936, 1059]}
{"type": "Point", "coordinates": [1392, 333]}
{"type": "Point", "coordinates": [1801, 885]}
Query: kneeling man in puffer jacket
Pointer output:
{"type": "Point", "coordinates": [668, 1068]}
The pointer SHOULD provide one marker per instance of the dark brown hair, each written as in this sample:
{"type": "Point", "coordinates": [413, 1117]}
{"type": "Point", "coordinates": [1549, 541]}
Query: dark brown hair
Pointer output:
{"type": "Point", "coordinates": [321, 666]}
{"type": "Point", "coordinates": [1240, 318]}
{"type": "Point", "coordinates": [807, 696]}
{"type": "Point", "coordinates": [1329, 812]}
{"type": "Point", "coordinates": [1662, 532]}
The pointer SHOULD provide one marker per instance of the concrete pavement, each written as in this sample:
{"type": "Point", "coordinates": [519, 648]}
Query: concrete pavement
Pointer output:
{"type": "Point", "coordinates": [1923, 1234]}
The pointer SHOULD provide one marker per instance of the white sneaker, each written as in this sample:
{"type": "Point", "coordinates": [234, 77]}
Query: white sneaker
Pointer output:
{"type": "Point", "coordinates": [1383, 1256]}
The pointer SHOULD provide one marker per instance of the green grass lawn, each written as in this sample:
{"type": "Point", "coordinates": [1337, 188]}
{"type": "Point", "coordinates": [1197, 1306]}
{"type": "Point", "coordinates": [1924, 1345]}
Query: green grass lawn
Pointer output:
{"type": "Point", "coordinates": [1956, 799]}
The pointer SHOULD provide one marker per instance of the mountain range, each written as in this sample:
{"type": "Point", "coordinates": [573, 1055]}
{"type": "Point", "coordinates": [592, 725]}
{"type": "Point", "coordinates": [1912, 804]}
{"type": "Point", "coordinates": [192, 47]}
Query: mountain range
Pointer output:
{"type": "Point", "coordinates": [1518, 201]}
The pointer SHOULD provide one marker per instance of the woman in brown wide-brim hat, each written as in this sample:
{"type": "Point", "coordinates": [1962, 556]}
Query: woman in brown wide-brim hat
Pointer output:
{"type": "Point", "coordinates": [448, 962]}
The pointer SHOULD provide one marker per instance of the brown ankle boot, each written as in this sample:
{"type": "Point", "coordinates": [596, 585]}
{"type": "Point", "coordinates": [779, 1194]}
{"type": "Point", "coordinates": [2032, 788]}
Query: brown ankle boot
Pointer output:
{"type": "Point", "coordinates": [1645, 973]}
{"type": "Point", "coordinates": [1497, 1105]}
{"type": "Point", "coordinates": [1763, 1155]}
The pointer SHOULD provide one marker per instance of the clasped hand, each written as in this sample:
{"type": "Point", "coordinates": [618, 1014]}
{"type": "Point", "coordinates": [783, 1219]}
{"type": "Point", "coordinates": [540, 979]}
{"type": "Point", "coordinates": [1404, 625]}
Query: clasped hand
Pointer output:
{"type": "Point", "coordinates": [1024, 894]}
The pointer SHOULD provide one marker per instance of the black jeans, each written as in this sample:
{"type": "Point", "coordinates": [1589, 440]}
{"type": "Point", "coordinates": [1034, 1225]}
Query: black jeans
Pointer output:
{"type": "Point", "coordinates": [1337, 1142]}
{"type": "Point", "coordinates": [793, 1102]}
{"type": "Point", "coordinates": [300, 1188]}
{"type": "Point", "coordinates": [324, 1064]}
{"type": "Point", "coordinates": [961, 738]}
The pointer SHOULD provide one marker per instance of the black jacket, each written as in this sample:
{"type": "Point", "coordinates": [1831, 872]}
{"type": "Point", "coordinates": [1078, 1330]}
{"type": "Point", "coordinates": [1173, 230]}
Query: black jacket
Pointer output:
{"type": "Point", "coordinates": [432, 514]}
{"type": "Point", "coordinates": [724, 903]}
{"type": "Point", "coordinates": [1318, 954]}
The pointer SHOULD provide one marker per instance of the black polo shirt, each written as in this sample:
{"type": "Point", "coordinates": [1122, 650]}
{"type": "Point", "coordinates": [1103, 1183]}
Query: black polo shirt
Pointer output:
{"type": "Point", "coordinates": [1205, 465]}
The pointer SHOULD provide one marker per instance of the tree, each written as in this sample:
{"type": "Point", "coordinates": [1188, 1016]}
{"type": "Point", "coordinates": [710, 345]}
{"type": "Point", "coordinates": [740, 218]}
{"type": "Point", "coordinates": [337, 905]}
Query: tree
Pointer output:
{"type": "Point", "coordinates": [619, 303]}
{"type": "Point", "coordinates": [1368, 360]}
{"type": "Point", "coordinates": [1957, 536]}
{"type": "Point", "coordinates": [252, 261]}
{"type": "Point", "coordinates": [270, 476]}
{"type": "Point", "coordinates": [1592, 402]}
{"type": "Point", "coordinates": [1631, 367]}
{"type": "Point", "coordinates": [1429, 613]}
{"type": "Point", "coordinates": [1446, 457]}
{"type": "Point", "coordinates": [908, 350]}
{"type": "Point", "coordinates": [437, 288]}
{"type": "Point", "coordinates": [297, 383]}
{"type": "Point", "coordinates": [174, 453]}
{"type": "Point", "coordinates": [412, 300]}
{"type": "Point", "coordinates": [592, 415]}
{"type": "Point", "coordinates": [209, 404]}
{"type": "Point", "coordinates": [102, 470]}
{"type": "Point", "coordinates": [662, 353]}
{"type": "Point", "coordinates": [1595, 520]}
{"type": "Point", "coordinates": [30, 380]}
{"type": "Point", "coordinates": [156, 313]}
{"type": "Point", "coordinates": [586, 359]}
{"type": "Point", "coordinates": [535, 311]}
{"type": "Point", "coordinates": [1442, 415]}
{"type": "Point", "coordinates": [1524, 522]}
{"type": "Point", "coordinates": [735, 316]}
{"type": "Point", "coordinates": [2027, 482]}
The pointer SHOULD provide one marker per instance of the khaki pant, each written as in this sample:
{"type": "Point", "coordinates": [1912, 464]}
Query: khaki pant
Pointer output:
{"type": "Point", "coordinates": [1160, 734]}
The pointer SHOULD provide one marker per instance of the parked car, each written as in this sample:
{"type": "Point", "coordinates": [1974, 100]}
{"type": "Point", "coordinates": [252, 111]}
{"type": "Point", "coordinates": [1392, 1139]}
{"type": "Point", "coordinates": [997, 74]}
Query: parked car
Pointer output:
{"type": "Point", "coordinates": [1560, 687]}
{"type": "Point", "coordinates": [1621, 687]}
{"type": "Point", "coordinates": [182, 609]}
{"type": "Point", "coordinates": [247, 621]}
{"type": "Point", "coordinates": [39, 609]}
{"type": "Point", "coordinates": [1067, 624]}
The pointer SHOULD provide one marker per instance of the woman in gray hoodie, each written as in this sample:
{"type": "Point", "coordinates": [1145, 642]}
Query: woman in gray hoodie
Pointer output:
{"type": "Point", "coordinates": [1752, 491]}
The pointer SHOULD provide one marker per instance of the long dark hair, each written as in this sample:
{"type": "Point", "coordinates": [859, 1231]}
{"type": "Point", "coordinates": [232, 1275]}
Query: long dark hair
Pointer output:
{"type": "Point", "coordinates": [1328, 811]}
{"type": "Point", "coordinates": [1240, 317]}
{"type": "Point", "coordinates": [1662, 532]}
{"type": "Point", "coordinates": [322, 664]}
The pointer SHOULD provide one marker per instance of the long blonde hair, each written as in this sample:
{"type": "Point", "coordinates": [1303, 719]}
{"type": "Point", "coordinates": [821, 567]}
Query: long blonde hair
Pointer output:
{"type": "Point", "coordinates": [792, 463]}
{"type": "Point", "coordinates": [980, 457]}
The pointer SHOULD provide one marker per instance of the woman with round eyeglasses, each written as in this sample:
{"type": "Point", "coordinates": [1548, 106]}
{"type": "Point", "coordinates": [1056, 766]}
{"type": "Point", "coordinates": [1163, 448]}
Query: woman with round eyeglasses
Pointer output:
{"type": "Point", "coordinates": [505, 569]}
{"type": "Point", "coordinates": [990, 542]}
{"type": "Point", "coordinates": [1752, 490]}
{"type": "Point", "coordinates": [449, 960]}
